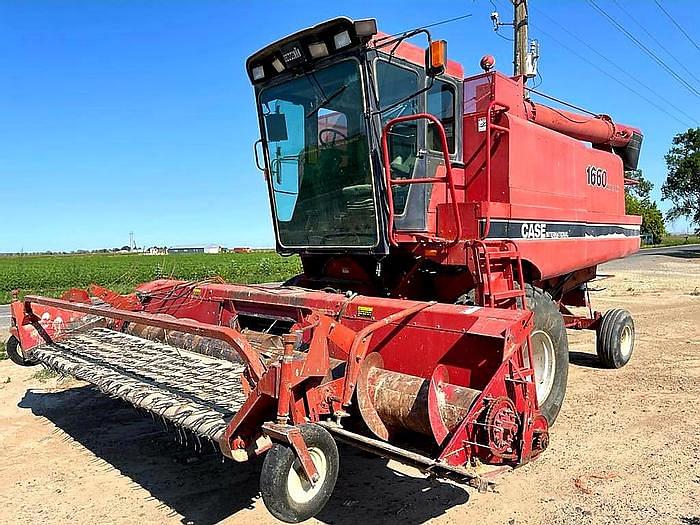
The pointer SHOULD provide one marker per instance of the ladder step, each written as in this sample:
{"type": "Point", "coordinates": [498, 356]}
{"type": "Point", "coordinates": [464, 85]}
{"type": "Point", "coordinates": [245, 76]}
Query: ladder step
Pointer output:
{"type": "Point", "coordinates": [509, 294]}
{"type": "Point", "coordinates": [504, 254]}
{"type": "Point", "coordinates": [499, 259]}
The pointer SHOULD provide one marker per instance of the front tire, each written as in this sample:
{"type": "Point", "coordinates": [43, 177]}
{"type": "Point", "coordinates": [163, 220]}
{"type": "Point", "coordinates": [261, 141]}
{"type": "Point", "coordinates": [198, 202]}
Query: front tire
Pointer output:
{"type": "Point", "coordinates": [550, 352]}
{"type": "Point", "coordinates": [286, 491]}
{"type": "Point", "coordinates": [14, 352]}
{"type": "Point", "coordinates": [615, 338]}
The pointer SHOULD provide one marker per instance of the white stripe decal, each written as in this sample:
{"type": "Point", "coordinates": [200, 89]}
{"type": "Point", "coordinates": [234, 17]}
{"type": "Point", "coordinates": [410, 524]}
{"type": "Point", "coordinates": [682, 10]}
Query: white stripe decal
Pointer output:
{"type": "Point", "coordinates": [540, 230]}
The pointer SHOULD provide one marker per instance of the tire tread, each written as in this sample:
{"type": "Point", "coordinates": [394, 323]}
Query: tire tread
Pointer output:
{"type": "Point", "coordinates": [273, 478]}
{"type": "Point", "coordinates": [608, 337]}
{"type": "Point", "coordinates": [542, 303]}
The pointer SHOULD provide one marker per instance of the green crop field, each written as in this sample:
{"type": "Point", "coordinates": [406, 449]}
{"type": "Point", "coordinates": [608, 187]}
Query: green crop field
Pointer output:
{"type": "Point", "coordinates": [53, 274]}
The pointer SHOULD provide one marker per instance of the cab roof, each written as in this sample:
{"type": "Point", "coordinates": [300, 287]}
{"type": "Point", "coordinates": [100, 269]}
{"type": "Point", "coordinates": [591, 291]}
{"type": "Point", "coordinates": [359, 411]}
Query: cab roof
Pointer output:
{"type": "Point", "coordinates": [324, 32]}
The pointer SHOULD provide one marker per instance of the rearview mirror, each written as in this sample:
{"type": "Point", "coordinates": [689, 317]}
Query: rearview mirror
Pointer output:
{"type": "Point", "coordinates": [436, 58]}
{"type": "Point", "coordinates": [276, 125]}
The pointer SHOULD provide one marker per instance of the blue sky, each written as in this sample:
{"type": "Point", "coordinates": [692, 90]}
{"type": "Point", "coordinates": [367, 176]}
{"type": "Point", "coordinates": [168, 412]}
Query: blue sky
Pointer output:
{"type": "Point", "coordinates": [138, 116]}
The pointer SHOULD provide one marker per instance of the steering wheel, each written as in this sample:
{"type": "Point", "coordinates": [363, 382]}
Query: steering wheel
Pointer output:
{"type": "Point", "coordinates": [336, 133]}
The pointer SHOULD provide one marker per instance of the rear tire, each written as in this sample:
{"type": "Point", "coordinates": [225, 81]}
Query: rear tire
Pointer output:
{"type": "Point", "coordinates": [14, 352]}
{"type": "Point", "coordinates": [550, 352]}
{"type": "Point", "coordinates": [285, 490]}
{"type": "Point", "coordinates": [615, 338]}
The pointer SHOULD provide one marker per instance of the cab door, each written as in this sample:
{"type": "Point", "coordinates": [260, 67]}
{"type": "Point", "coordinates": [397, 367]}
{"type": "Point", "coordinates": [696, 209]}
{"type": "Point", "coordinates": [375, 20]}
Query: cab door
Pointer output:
{"type": "Point", "coordinates": [414, 146]}
{"type": "Point", "coordinates": [441, 101]}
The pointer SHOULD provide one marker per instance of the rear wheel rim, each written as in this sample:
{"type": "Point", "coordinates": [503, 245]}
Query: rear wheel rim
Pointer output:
{"type": "Point", "coordinates": [626, 342]}
{"type": "Point", "coordinates": [544, 364]}
{"type": "Point", "coordinates": [298, 486]}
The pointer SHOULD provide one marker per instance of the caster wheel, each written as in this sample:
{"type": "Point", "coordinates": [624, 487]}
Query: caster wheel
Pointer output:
{"type": "Point", "coordinates": [287, 493]}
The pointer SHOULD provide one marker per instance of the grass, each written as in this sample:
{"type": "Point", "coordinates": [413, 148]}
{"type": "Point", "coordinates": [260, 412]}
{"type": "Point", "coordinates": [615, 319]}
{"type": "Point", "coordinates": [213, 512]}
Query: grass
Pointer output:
{"type": "Point", "coordinates": [44, 374]}
{"type": "Point", "coordinates": [53, 274]}
{"type": "Point", "coordinates": [676, 240]}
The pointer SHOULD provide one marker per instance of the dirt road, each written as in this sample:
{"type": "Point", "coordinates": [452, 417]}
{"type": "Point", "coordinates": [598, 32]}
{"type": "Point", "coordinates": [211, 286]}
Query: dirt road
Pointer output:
{"type": "Point", "coordinates": [626, 447]}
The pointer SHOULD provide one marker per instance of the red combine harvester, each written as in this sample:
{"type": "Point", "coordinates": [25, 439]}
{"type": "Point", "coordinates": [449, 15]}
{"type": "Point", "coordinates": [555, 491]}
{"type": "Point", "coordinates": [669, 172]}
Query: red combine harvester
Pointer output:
{"type": "Point", "coordinates": [445, 224]}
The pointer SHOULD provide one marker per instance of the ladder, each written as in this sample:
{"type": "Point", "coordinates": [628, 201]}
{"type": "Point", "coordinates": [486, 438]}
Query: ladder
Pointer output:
{"type": "Point", "coordinates": [498, 272]}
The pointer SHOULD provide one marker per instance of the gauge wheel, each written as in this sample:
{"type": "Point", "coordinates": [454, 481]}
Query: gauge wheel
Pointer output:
{"type": "Point", "coordinates": [285, 489]}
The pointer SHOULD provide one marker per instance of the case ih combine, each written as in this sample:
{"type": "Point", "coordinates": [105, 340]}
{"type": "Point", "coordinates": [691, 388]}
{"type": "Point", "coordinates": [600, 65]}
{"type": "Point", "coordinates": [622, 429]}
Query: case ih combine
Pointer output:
{"type": "Point", "coordinates": [445, 224]}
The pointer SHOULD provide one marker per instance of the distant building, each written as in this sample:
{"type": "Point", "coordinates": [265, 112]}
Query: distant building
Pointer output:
{"type": "Point", "coordinates": [242, 249]}
{"type": "Point", "coordinates": [156, 250]}
{"type": "Point", "coordinates": [201, 248]}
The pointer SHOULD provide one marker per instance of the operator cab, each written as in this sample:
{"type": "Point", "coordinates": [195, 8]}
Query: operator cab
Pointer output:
{"type": "Point", "coordinates": [324, 95]}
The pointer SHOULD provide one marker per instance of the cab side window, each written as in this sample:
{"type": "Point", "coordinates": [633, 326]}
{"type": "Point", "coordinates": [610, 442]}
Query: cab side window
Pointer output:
{"type": "Point", "coordinates": [396, 85]}
{"type": "Point", "coordinates": [441, 103]}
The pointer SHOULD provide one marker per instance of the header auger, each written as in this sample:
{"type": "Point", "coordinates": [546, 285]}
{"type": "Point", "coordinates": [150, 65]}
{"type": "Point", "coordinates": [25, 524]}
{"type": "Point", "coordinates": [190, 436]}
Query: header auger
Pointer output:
{"type": "Point", "coordinates": [445, 224]}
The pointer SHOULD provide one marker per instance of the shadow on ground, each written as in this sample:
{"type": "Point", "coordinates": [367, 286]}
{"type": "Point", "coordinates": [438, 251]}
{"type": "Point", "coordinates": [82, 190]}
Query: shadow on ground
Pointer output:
{"type": "Point", "coordinates": [205, 490]}
{"type": "Point", "coordinates": [584, 359]}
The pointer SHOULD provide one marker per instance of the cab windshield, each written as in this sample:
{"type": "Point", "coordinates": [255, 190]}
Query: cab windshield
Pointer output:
{"type": "Point", "coordinates": [319, 159]}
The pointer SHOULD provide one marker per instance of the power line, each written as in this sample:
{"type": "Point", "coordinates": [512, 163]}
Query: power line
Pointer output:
{"type": "Point", "coordinates": [449, 20]}
{"type": "Point", "coordinates": [504, 37]}
{"type": "Point", "coordinates": [617, 80]}
{"type": "Point", "coordinates": [677, 25]}
{"type": "Point", "coordinates": [644, 48]}
{"type": "Point", "coordinates": [434, 24]}
{"type": "Point", "coordinates": [651, 35]}
{"type": "Point", "coordinates": [615, 65]}
{"type": "Point", "coordinates": [562, 102]}
{"type": "Point", "coordinates": [625, 85]}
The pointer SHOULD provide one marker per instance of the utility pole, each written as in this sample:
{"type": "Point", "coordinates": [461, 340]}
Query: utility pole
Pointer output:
{"type": "Point", "coordinates": [526, 54]}
{"type": "Point", "coordinates": [520, 41]}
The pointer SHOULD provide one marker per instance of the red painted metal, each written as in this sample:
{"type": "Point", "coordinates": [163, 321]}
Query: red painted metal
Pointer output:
{"type": "Point", "coordinates": [122, 302]}
{"type": "Point", "coordinates": [517, 170]}
{"type": "Point", "coordinates": [339, 333]}
{"type": "Point", "coordinates": [582, 322]}
{"type": "Point", "coordinates": [459, 374]}
{"type": "Point", "coordinates": [286, 378]}
{"type": "Point", "coordinates": [76, 295]}
{"type": "Point", "coordinates": [498, 274]}
{"type": "Point", "coordinates": [490, 128]}
{"type": "Point", "coordinates": [448, 404]}
{"type": "Point", "coordinates": [360, 344]}
{"type": "Point", "coordinates": [390, 401]}
{"type": "Point", "coordinates": [598, 129]}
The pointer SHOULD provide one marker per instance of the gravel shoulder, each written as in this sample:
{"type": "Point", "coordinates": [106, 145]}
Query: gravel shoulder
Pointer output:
{"type": "Point", "coordinates": [625, 448]}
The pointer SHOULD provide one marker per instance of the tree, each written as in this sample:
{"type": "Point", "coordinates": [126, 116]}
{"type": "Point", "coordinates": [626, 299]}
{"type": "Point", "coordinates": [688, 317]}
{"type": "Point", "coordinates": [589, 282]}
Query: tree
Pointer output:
{"type": "Point", "coordinates": [682, 186]}
{"type": "Point", "coordinates": [638, 202]}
